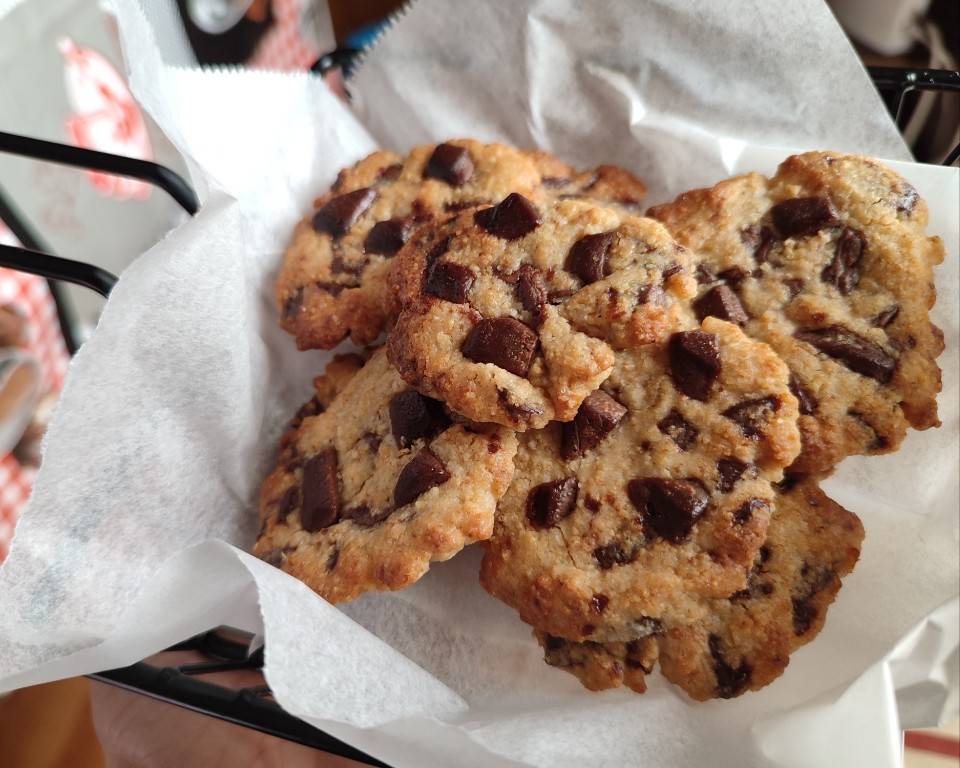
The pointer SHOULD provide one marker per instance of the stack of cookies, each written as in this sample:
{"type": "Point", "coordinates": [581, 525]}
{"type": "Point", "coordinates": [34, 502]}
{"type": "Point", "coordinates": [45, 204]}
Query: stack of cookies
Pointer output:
{"type": "Point", "coordinates": [632, 413]}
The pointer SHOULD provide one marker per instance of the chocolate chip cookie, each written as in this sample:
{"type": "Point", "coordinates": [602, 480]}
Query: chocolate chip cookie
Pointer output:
{"type": "Point", "coordinates": [742, 642]}
{"type": "Point", "coordinates": [829, 263]}
{"type": "Point", "coordinates": [608, 184]}
{"type": "Point", "coordinates": [511, 313]}
{"type": "Point", "coordinates": [333, 279]}
{"type": "Point", "coordinates": [656, 496]}
{"type": "Point", "coordinates": [369, 491]}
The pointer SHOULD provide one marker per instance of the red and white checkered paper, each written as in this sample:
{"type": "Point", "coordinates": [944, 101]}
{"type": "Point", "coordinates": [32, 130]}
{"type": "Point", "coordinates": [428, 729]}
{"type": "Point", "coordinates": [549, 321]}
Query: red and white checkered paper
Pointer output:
{"type": "Point", "coordinates": [283, 47]}
{"type": "Point", "coordinates": [30, 295]}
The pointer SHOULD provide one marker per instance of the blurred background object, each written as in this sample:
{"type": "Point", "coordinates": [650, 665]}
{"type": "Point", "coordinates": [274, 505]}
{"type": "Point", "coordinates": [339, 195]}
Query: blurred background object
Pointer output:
{"type": "Point", "coordinates": [912, 33]}
{"type": "Point", "coordinates": [62, 81]}
{"type": "Point", "coordinates": [19, 393]}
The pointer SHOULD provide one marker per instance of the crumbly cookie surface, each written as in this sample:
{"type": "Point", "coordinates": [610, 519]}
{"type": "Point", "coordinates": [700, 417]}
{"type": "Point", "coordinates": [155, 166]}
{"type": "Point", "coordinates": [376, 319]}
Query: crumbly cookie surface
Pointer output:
{"type": "Point", "coordinates": [372, 489]}
{"type": "Point", "coordinates": [656, 496]}
{"type": "Point", "coordinates": [829, 263]}
{"type": "Point", "coordinates": [511, 313]}
{"type": "Point", "coordinates": [600, 666]}
{"type": "Point", "coordinates": [746, 641]}
{"type": "Point", "coordinates": [743, 642]}
{"type": "Point", "coordinates": [333, 282]}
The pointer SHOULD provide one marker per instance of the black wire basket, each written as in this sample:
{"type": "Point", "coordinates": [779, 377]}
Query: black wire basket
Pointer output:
{"type": "Point", "coordinates": [225, 648]}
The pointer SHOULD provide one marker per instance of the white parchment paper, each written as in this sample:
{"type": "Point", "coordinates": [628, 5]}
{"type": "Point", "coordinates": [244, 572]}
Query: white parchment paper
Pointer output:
{"type": "Point", "coordinates": [135, 534]}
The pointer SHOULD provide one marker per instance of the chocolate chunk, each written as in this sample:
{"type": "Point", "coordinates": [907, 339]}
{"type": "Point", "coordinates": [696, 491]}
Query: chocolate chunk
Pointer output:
{"type": "Point", "coordinates": [760, 239]}
{"type": "Point", "coordinates": [274, 557]}
{"type": "Point", "coordinates": [519, 412]}
{"type": "Point", "coordinates": [790, 481]}
{"type": "Point", "coordinates": [511, 218]}
{"type": "Point", "coordinates": [855, 352]}
{"type": "Point", "coordinates": [310, 408]}
{"type": "Point", "coordinates": [733, 277]}
{"type": "Point", "coordinates": [592, 504]}
{"type": "Point", "coordinates": [363, 516]}
{"type": "Point", "coordinates": [731, 681]}
{"type": "Point", "coordinates": [439, 248]}
{"type": "Point", "coordinates": [422, 472]}
{"type": "Point", "coordinates": [588, 257]}
{"type": "Point", "coordinates": [729, 470]}
{"type": "Point", "coordinates": [755, 589]}
{"type": "Point", "coordinates": [334, 289]}
{"type": "Point", "coordinates": [293, 304]}
{"type": "Point", "coordinates": [321, 492]}
{"type": "Point", "coordinates": [589, 629]}
{"type": "Point", "coordinates": [451, 164]}
{"type": "Point", "coordinates": [333, 558]}
{"type": "Point", "coordinates": [503, 341]}
{"type": "Point", "coordinates": [762, 254]}
{"type": "Point", "coordinates": [883, 319]}
{"type": "Point", "coordinates": [879, 441]}
{"type": "Point", "coordinates": [339, 267]}
{"type": "Point", "coordinates": [341, 213]}
{"type": "Point", "coordinates": [694, 362]}
{"type": "Point", "coordinates": [610, 555]}
{"type": "Point", "coordinates": [907, 201]}
{"type": "Point", "coordinates": [650, 294]}
{"type": "Point", "coordinates": [599, 602]}
{"type": "Point", "coordinates": [793, 285]}
{"type": "Point", "coordinates": [558, 296]}
{"type": "Point", "coordinates": [678, 429]}
{"type": "Point", "coordinates": [421, 213]}
{"type": "Point", "coordinates": [388, 237]}
{"type": "Point", "coordinates": [450, 282]}
{"type": "Point", "coordinates": [289, 457]}
{"type": "Point", "coordinates": [288, 503]}
{"type": "Point", "coordinates": [843, 272]}
{"type": "Point", "coordinates": [806, 401]}
{"type": "Point", "coordinates": [413, 416]}
{"type": "Point", "coordinates": [804, 611]}
{"type": "Point", "coordinates": [532, 290]}
{"type": "Point", "coordinates": [670, 508]}
{"type": "Point", "coordinates": [745, 511]}
{"type": "Point", "coordinates": [803, 216]}
{"type": "Point", "coordinates": [673, 269]}
{"type": "Point", "coordinates": [816, 578]}
{"type": "Point", "coordinates": [804, 614]}
{"type": "Point", "coordinates": [390, 173]}
{"type": "Point", "coordinates": [720, 301]}
{"type": "Point", "coordinates": [549, 503]}
{"type": "Point", "coordinates": [372, 440]}
{"type": "Point", "coordinates": [705, 274]}
{"type": "Point", "coordinates": [552, 643]}
{"type": "Point", "coordinates": [751, 415]}
{"type": "Point", "coordinates": [597, 417]}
